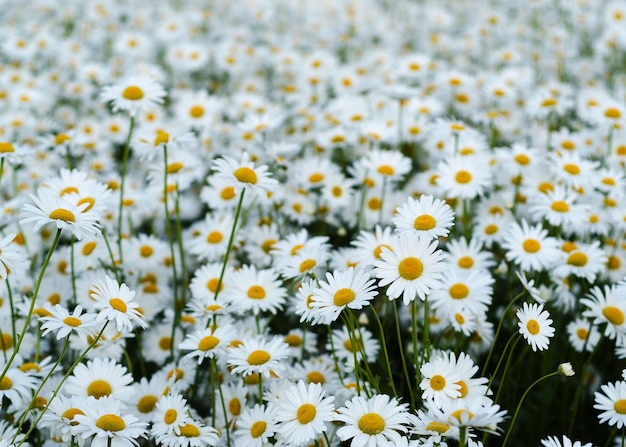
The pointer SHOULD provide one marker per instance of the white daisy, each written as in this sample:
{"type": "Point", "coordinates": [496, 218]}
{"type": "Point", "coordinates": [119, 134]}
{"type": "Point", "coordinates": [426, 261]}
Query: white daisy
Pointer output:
{"type": "Point", "coordinates": [535, 325]}
{"type": "Point", "coordinates": [425, 216]}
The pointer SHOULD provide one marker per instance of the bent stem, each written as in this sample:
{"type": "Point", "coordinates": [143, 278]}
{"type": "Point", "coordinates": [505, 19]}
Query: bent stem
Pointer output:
{"type": "Point", "coordinates": [519, 405]}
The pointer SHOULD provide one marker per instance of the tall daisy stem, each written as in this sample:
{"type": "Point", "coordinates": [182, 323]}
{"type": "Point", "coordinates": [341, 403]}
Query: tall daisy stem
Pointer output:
{"type": "Point", "coordinates": [33, 299]}
{"type": "Point", "coordinates": [519, 405]}
{"type": "Point", "coordinates": [123, 169]}
{"type": "Point", "coordinates": [402, 355]}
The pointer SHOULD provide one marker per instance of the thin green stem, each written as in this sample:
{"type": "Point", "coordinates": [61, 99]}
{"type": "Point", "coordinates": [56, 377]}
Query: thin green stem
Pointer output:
{"type": "Point", "coordinates": [33, 299]}
{"type": "Point", "coordinates": [13, 316]}
{"type": "Point", "coordinates": [111, 256]}
{"type": "Point", "coordinates": [402, 355]}
{"type": "Point", "coordinates": [383, 343]}
{"type": "Point", "coordinates": [215, 377]}
{"type": "Point", "coordinates": [123, 169]}
{"type": "Point", "coordinates": [514, 337]}
{"type": "Point", "coordinates": [519, 405]}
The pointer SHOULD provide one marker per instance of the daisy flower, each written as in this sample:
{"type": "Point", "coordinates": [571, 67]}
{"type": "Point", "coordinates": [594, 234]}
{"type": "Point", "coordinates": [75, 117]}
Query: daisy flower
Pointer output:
{"type": "Point", "coordinates": [425, 216]}
{"type": "Point", "coordinates": [464, 177]}
{"type": "Point", "coordinates": [108, 425]}
{"type": "Point", "coordinates": [191, 433]}
{"type": "Point", "coordinates": [530, 247]}
{"type": "Point", "coordinates": [12, 257]}
{"type": "Point", "coordinates": [467, 255]}
{"type": "Point", "coordinates": [608, 306]}
{"type": "Point", "coordinates": [559, 208]}
{"type": "Point", "coordinates": [376, 421]}
{"type": "Point", "coordinates": [352, 288]}
{"type": "Point", "coordinates": [256, 426]}
{"type": "Point", "coordinates": [471, 290]}
{"type": "Point", "coordinates": [62, 213]}
{"type": "Point", "coordinates": [100, 378]}
{"type": "Point", "coordinates": [535, 325]}
{"type": "Point", "coordinates": [368, 245]}
{"type": "Point", "coordinates": [115, 304]}
{"type": "Point", "coordinates": [473, 414]}
{"type": "Point", "coordinates": [411, 268]}
{"type": "Point", "coordinates": [350, 347]}
{"type": "Point", "coordinates": [257, 355]}
{"type": "Point", "coordinates": [582, 335]}
{"type": "Point", "coordinates": [584, 261]}
{"type": "Point", "coordinates": [208, 342]}
{"type": "Point", "coordinates": [303, 411]}
{"type": "Point", "coordinates": [611, 400]}
{"type": "Point", "coordinates": [256, 290]}
{"type": "Point", "coordinates": [136, 94]}
{"type": "Point", "coordinates": [17, 386]}
{"type": "Point", "coordinates": [244, 175]}
{"type": "Point", "coordinates": [59, 417]}
{"type": "Point", "coordinates": [170, 412]}
{"type": "Point", "coordinates": [64, 323]}
{"type": "Point", "coordinates": [553, 441]}
{"type": "Point", "coordinates": [440, 380]}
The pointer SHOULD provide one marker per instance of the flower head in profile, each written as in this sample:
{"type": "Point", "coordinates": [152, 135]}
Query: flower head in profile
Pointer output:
{"type": "Point", "coordinates": [244, 175]}
{"type": "Point", "coordinates": [115, 303]}
{"type": "Point", "coordinates": [134, 95]}
{"type": "Point", "coordinates": [65, 215]}
{"type": "Point", "coordinates": [535, 325]}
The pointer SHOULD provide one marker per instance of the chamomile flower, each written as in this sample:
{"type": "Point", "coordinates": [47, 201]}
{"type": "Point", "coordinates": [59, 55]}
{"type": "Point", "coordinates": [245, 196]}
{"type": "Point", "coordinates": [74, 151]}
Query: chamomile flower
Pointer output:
{"type": "Point", "coordinates": [582, 335]}
{"type": "Point", "coordinates": [63, 214]}
{"type": "Point", "coordinates": [607, 306]}
{"type": "Point", "coordinates": [17, 386]}
{"type": "Point", "coordinates": [62, 322]}
{"type": "Point", "coordinates": [377, 421]}
{"type": "Point", "coordinates": [135, 94]}
{"type": "Point", "coordinates": [256, 426]}
{"type": "Point", "coordinates": [411, 268]}
{"type": "Point", "coordinates": [258, 355]}
{"type": "Point", "coordinates": [467, 255]}
{"type": "Point", "coordinates": [12, 257]}
{"type": "Point", "coordinates": [535, 326]}
{"type": "Point", "coordinates": [108, 425]}
{"type": "Point", "coordinates": [170, 412]}
{"type": "Point", "coordinates": [115, 303]}
{"type": "Point", "coordinates": [472, 414]}
{"type": "Point", "coordinates": [440, 380]}
{"type": "Point", "coordinates": [584, 261]}
{"type": "Point", "coordinates": [100, 378]}
{"type": "Point", "coordinates": [611, 400]}
{"type": "Point", "coordinates": [303, 411]}
{"type": "Point", "coordinates": [553, 441]}
{"type": "Point", "coordinates": [256, 290]}
{"type": "Point", "coordinates": [351, 288]}
{"type": "Point", "coordinates": [471, 290]}
{"type": "Point", "coordinates": [425, 216]}
{"type": "Point", "coordinates": [530, 247]}
{"type": "Point", "coordinates": [464, 177]}
{"type": "Point", "coordinates": [244, 175]}
{"type": "Point", "coordinates": [208, 342]}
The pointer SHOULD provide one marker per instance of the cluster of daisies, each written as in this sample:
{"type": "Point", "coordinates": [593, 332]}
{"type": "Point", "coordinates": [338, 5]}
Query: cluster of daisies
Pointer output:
{"type": "Point", "coordinates": [312, 223]}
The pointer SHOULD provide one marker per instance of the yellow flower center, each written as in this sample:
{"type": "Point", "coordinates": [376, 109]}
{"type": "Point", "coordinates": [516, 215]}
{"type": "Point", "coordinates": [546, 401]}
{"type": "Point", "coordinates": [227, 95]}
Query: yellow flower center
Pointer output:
{"type": "Point", "coordinates": [214, 237]}
{"type": "Point", "coordinates": [410, 268]}
{"type": "Point", "coordinates": [437, 382]}
{"type": "Point", "coordinates": [293, 340]}
{"type": "Point", "coordinates": [491, 229]}
{"type": "Point", "coordinates": [343, 296]}
{"type": "Point", "coordinates": [306, 265]}
{"type": "Point", "coordinates": [99, 388]}
{"type": "Point", "coordinates": [29, 366]}
{"type": "Point", "coordinates": [560, 206]}
{"type": "Point", "coordinates": [459, 291]}
{"type": "Point", "coordinates": [70, 413]}
{"type": "Point", "coordinates": [316, 177]}
{"type": "Point", "coordinates": [234, 406]}
{"type": "Point", "coordinates": [306, 413]}
{"type": "Point", "coordinates": [132, 93]}
{"type": "Point", "coordinates": [463, 177]}
{"type": "Point", "coordinates": [577, 259]}
{"type": "Point", "coordinates": [256, 292]}
{"type": "Point", "coordinates": [548, 102]}
{"type": "Point", "coordinates": [258, 357]}
{"type": "Point", "coordinates": [257, 429]}
{"type": "Point", "coordinates": [6, 384]}
{"type": "Point", "coordinates": [72, 321]}
{"type": "Point", "coordinates": [613, 113]}
{"type": "Point", "coordinates": [458, 414]}
{"type": "Point", "coordinates": [533, 327]}
{"type": "Point", "coordinates": [531, 245]}
{"type": "Point", "coordinates": [189, 431]}
{"type": "Point", "coordinates": [174, 167]}
{"type": "Point", "coordinates": [147, 403]}
{"type": "Point", "coordinates": [196, 111]}
{"type": "Point", "coordinates": [170, 416]}
{"type": "Point", "coordinates": [245, 175]}
{"type": "Point", "coordinates": [463, 389]}
{"type": "Point", "coordinates": [572, 169]}
{"type": "Point", "coordinates": [6, 147]}
{"type": "Point", "coordinates": [613, 314]}
{"type": "Point", "coordinates": [385, 170]}
{"type": "Point", "coordinates": [88, 248]}
{"type": "Point", "coordinates": [522, 159]}
{"type": "Point", "coordinates": [374, 203]}
{"type": "Point", "coordinates": [227, 193]}
{"type": "Point", "coordinates": [165, 343]}
{"type": "Point", "coordinates": [620, 406]}
{"type": "Point", "coordinates": [424, 222]}
{"type": "Point", "coordinates": [88, 200]}
{"type": "Point", "coordinates": [371, 423]}
{"type": "Point", "coordinates": [162, 137]}
{"type": "Point", "coordinates": [207, 343]}
{"type": "Point", "coordinates": [212, 284]}
{"type": "Point", "coordinates": [62, 214]}
{"type": "Point", "coordinates": [466, 262]}
{"type": "Point", "coordinates": [146, 251]}
{"type": "Point", "coordinates": [438, 427]}
{"type": "Point", "coordinates": [118, 304]}
{"type": "Point", "coordinates": [316, 377]}
{"type": "Point", "coordinates": [379, 249]}
{"type": "Point", "coordinates": [459, 318]}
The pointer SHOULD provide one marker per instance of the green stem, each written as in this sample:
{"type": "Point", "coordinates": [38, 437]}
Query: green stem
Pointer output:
{"type": "Point", "coordinates": [383, 343]}
{"type": "Point", "coordinates": [514, 337]}
{"type": "Point", "coordinates": [33, 299]}
{"type": "Point", "coordinates": [402, 356]}
{"type": "Point", "coordinates": [519, 405]}
{"type": "Point", "coordinates": [123, 182]}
